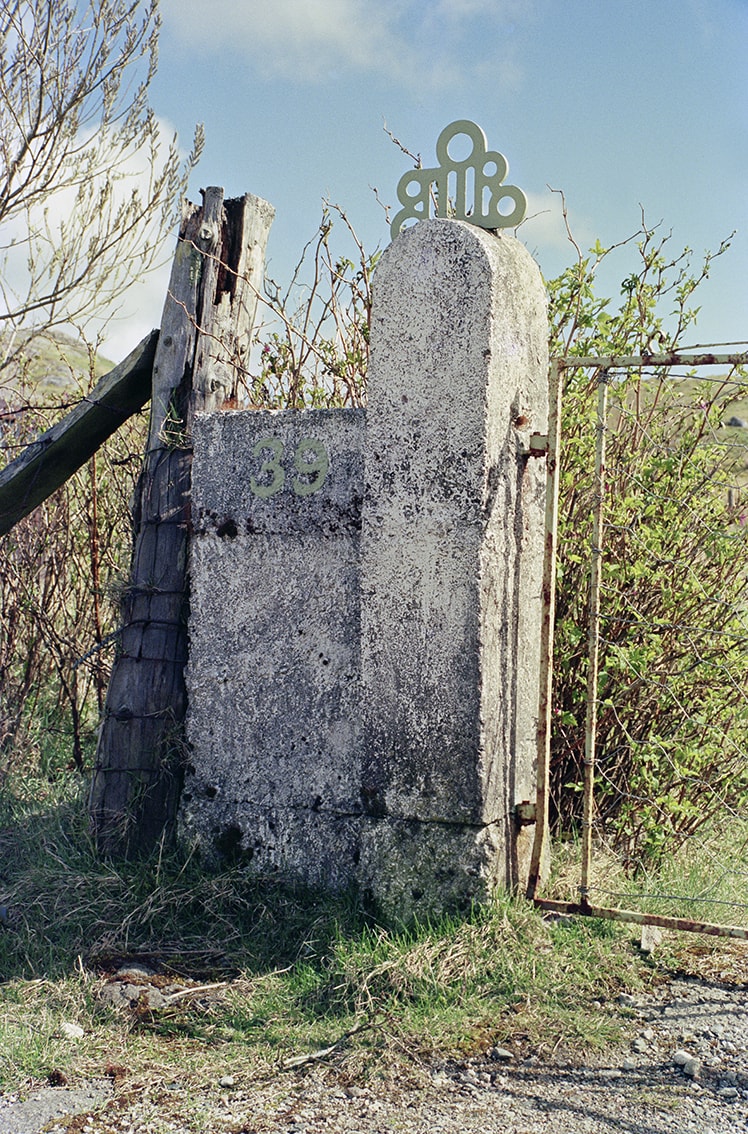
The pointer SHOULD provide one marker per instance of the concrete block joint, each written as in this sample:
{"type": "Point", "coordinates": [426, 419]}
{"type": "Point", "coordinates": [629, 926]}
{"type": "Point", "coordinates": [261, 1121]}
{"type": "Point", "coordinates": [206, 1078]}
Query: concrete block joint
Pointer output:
{"type": "Point", "coordinates": [364, 633]}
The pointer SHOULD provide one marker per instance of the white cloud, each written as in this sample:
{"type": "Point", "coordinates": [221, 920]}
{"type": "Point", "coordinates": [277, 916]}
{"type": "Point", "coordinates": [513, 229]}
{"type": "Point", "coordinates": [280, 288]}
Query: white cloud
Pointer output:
{"type": "Point", "coordinates": [544, 232]}
{"type": "Point", "coordinates": [506, 9]}
{"type": "Point", "coordinates": [121, 324]}
{"type": "Point", "coordinates": [309, 40]}
{"type": "Point", "coordinates": [302, 39]}
{"type": "Point", "coordinates": [544, 222]}
{"type": "Point", "coordinates": [140, 311]}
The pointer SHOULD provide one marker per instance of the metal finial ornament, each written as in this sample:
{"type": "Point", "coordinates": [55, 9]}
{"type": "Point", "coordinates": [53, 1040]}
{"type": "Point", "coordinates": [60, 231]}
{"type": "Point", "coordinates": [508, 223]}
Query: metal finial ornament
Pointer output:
{"type": "Point", "coordinates": [450, 177]}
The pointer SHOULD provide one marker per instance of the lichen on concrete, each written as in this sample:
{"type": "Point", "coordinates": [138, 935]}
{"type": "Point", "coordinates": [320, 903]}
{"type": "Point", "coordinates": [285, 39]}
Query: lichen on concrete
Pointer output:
{"type": "Point", "coordinates": [366, 597]}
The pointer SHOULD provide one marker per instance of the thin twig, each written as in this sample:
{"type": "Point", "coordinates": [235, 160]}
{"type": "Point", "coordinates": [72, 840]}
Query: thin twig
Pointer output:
{"type": "Point", "coordinates": [323, 1052]}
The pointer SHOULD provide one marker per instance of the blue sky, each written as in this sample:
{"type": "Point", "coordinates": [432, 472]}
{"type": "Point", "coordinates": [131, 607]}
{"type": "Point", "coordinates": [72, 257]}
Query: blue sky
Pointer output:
{"type": "Point", "coordinates": [622, 104]}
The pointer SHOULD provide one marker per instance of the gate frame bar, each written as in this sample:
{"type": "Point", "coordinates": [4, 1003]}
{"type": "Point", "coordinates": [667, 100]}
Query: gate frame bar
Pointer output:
{"type": "Point", "coordinates": [551, 447]}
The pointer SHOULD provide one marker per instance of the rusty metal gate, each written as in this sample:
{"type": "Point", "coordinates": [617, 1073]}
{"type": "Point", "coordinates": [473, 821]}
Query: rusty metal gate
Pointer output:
{"type": "Point", "coordinates": [643, 731]}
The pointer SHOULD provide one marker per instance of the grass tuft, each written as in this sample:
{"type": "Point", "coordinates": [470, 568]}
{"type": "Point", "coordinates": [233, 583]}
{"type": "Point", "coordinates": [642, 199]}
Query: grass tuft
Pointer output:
{"type": "Point", "coordinates": [272, 973]}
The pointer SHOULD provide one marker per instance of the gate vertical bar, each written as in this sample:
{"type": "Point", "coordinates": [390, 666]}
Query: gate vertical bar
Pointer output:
{"type": "Point", "coordinates": [540, 843]}
{"type": "Point", "coordinates": [594, 633]}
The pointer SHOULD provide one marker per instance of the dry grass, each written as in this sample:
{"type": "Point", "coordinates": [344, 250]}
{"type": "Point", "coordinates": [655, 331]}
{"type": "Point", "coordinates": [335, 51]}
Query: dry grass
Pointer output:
{"type": "Point", "coordinates": [706, 879]}
{"type": "Point", "coordinates": [270, 973]}
{"type": "Point", "coordinates": [270, 977]}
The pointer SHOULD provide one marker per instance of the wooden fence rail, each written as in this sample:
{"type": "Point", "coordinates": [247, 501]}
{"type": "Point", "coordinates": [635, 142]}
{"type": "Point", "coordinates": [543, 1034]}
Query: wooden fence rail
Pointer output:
{"type": "Point", "coordinates": [192, 364]}
{"type": "Point", "coordinates": [59, 452]}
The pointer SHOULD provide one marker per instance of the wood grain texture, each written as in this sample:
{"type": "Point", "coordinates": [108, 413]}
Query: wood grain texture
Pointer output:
{"type": "Point", "coordinates": [205, 336]}
{"type": "Point", "coordinates": [59, 452]}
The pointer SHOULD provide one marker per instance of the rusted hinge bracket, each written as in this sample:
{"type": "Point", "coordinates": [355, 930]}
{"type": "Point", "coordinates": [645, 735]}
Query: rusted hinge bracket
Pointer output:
{"type": "Point", "coordinates": [538, 446]}
{"type": "Point", "coordinates": [525, 813]}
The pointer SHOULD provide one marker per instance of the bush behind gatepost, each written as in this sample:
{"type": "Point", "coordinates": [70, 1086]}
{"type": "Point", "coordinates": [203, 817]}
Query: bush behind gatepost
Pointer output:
{"type": "Point", "coordinates": [672, 727]}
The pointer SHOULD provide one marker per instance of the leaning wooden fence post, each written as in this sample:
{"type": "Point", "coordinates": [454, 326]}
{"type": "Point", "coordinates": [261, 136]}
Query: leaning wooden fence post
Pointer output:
{"type": "Point", "coordinates": [204, 339]}
{"type": "Point", "coordinates": [60, 451]}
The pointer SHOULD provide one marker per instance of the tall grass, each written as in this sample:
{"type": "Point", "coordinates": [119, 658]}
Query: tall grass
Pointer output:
{"type": "Point", "coordinates": [293, 971]}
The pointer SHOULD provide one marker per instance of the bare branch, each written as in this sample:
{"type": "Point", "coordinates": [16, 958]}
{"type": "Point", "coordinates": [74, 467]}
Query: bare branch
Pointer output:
{"type": "Point", "coordinates": [87, 189]}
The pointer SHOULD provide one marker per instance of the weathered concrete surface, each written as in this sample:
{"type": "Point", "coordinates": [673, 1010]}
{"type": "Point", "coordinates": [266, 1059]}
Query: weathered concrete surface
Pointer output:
{"type": "Point", "coordinates": [273, 677]}
{"type": "Point", "coordinates": [40, 1110]}
{"type": "Point", "coordinates": [363, 676]}
{"type": "Point", "coordinates": [451, 564]}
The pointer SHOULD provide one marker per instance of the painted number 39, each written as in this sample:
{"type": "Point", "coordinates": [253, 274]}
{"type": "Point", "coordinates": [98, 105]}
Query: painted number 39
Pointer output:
{"type": "Point", "coordinates": [310, 461]}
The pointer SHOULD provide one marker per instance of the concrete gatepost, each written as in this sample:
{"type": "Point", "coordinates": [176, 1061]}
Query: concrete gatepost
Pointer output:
{"type": "Point", "coordinates": [366, 584]}
{"type": "Point", "coordinates": [274, 772]}
{"type": "Point", "coordinates": [451, 566]}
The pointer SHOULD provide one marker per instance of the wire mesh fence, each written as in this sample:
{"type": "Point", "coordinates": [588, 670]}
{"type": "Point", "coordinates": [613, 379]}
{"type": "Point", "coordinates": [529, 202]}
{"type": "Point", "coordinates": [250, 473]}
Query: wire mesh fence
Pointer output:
{"type": "Point", "coordinates": [62, 567]}
{"type": "Point", "coordinates": [643, 756]}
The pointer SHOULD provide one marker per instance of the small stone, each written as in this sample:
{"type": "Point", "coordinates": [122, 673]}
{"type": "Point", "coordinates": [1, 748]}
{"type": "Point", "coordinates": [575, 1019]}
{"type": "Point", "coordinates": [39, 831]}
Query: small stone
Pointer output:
{"type": "Point", "coordinates": [123, 995]}
{"type": "Point", "coordinates": [682, 1057]}
{"type": "Point", "coordinates": [640, 1045]}
{"type": "Point", "coordinates": [626, 1001]}
{"type": "Point", "coordinates": [692, 1068]}
{"type": "Point", "coordinates": [134, 973]}
{"type": "Point", "coordinates": [728, 1093]}
{"type": "Point", "coordinates": [114, 994]}
{"type": "Point", "coordinates": [501, 1053]}
{"type": "Point", "coordinates": [150, 997]}
{"type": "Point", "coordinates": [227, 1081]}
{"type": "Point", "coordinates": [72, 1031]}
{"type": "Point", "coordinates": [651, 938]}
{"type": "Point", "coordinates": [629, 1064]}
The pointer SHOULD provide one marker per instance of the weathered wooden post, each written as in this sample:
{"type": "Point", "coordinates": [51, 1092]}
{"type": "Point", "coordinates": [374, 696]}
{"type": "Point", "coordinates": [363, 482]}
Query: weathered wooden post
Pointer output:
{"type": "Point", "coordinates": [205, 335]}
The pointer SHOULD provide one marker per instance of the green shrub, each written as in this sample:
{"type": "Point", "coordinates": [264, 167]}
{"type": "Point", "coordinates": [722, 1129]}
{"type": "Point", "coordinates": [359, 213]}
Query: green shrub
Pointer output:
{"type": "Point", "coordinates": [62, 567]}
{"type": "Point", "coordinates": [673, 718]}
{"type": "Point", "coordinates": [672, 724]}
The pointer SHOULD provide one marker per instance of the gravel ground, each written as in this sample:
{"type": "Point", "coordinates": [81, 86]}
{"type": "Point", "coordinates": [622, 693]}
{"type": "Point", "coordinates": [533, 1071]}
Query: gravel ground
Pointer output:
{"type": "Point", "coordinates": [686, 1070]}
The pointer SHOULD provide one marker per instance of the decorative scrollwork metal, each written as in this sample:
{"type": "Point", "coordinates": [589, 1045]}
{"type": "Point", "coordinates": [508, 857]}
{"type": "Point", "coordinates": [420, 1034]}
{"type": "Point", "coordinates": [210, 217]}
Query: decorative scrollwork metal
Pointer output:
{"type": "Point", "coordinates": [482, 171]}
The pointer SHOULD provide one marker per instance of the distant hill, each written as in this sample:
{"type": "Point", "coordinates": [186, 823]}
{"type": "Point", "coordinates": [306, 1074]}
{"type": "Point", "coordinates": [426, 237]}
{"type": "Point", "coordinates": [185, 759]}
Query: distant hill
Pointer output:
{"type": "Point", "coordinates": [53, 363]}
